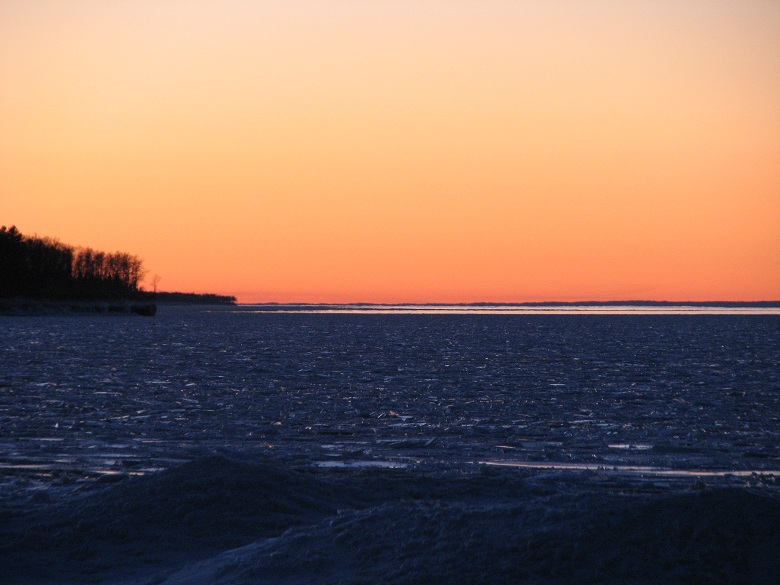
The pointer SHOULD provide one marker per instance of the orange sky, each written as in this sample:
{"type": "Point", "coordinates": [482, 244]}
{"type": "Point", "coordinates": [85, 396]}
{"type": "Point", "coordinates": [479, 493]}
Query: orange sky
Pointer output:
{"type": "Point", "coordinates": [392, 151]}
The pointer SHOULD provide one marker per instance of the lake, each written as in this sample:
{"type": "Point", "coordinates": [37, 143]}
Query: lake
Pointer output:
{"type": "Point", "coordinates": [395, 401]}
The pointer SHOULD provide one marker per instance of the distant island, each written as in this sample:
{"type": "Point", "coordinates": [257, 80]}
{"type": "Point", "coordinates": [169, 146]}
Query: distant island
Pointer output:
{"type": "Point", "coordinates": [182, 298]}
{"type": "Point", "coordinates": [43, 275]}
{"type": "Point", "coordinates": [635, 303]}
{"type": "Point", "coordinates": [528, 304]}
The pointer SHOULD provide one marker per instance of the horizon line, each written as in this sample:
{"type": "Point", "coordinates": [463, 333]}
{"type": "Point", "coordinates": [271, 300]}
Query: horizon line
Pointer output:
{"type": "Point", "coordinates": [636, 302]}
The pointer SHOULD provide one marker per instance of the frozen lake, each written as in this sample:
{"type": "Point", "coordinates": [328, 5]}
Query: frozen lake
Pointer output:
{"type": "Point", "coordinates": [83, 397]}
{"type": "Point", "coordinates": [583, 405]}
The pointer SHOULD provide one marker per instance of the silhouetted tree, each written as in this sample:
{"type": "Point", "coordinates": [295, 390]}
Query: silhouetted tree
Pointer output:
{"type": "Point", "coordinates": [45, 267]}
{"type": "Point", "coordinates": [12, 261]}
{"type": "Point", "coordinates": [48, 267]}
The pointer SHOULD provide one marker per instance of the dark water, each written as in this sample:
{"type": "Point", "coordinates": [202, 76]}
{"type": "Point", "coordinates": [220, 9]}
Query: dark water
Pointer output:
{"type": "Point", "coordinates": [398, 421]}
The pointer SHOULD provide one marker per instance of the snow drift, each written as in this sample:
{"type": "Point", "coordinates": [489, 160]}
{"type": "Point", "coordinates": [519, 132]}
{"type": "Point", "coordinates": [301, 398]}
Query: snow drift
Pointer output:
{"type": "Point", "coordinates": [228, 522]}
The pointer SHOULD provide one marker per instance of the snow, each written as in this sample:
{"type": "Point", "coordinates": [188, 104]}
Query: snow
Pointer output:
{"type": "Point", "coordinates": [234, 448]}
{"type": "Point", "coordinates": [221, 521]}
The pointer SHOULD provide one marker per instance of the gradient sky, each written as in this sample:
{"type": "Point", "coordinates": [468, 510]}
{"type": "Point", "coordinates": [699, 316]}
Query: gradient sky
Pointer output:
{"type": "Point", "coordinates": [394, 151]}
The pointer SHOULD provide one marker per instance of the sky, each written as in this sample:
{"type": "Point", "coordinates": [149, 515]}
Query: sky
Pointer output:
{"type": "Point", "coordinates": [392, 151]}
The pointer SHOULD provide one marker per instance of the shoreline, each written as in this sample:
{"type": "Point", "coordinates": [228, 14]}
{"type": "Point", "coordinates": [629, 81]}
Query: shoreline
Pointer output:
{"type": "Point", "coordinates": [46, 307]}
{"type": "Point", "coordinates": [541, 304]}
{"type": "Point", "coordinates": [141, 303]}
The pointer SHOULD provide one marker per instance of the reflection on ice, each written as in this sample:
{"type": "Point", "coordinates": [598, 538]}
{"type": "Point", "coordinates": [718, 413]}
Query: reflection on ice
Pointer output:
{"type": "Point", "coordinates": [361, 464]}
{"type": "Point", "coordinates": [634, 469]}
{"type": "Point", "coordinates": [631, 446]}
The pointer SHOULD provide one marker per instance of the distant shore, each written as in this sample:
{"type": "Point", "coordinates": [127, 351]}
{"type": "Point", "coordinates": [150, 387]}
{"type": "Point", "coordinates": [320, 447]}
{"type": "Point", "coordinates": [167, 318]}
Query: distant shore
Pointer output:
{"type": "Point", "coordinates": [633, 303]}
{"type": "Point", "coordinates": [182, 298]}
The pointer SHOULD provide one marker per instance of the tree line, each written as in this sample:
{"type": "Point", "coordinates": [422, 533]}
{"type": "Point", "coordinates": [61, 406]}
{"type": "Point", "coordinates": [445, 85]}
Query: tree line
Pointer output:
{"type": "Point", "coordinates": [37, 267]}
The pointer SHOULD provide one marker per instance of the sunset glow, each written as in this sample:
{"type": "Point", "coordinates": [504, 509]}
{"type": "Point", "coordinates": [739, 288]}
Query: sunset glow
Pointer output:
{"type": "Point", "coordinates": [385, 151]}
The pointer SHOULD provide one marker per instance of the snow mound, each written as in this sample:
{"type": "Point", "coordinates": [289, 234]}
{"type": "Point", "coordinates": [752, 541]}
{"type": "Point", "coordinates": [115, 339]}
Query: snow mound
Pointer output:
{"type": "Point", "coordinates": [718, 537]}
{"type": "Point", "coordinates": [220, 521]}
{"type": "Point", "coordinates": [199, 508]}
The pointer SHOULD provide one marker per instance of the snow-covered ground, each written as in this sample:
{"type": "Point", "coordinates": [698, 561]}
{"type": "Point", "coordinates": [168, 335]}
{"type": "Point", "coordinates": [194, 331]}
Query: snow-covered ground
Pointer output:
{"type": "Point", "coordinates": [231, 447]}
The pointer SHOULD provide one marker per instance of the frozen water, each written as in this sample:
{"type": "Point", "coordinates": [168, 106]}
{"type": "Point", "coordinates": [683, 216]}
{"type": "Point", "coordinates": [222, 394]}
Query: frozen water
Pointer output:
{"type": "Point", "coordinates": [236, 446]}
{"type": "Point", "coordinates": [85, 395]}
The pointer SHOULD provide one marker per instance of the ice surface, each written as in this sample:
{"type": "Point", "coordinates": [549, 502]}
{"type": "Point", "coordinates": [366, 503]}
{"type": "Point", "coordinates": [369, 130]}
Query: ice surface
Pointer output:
{"type": "Point", "coordinates": [242, 447]}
